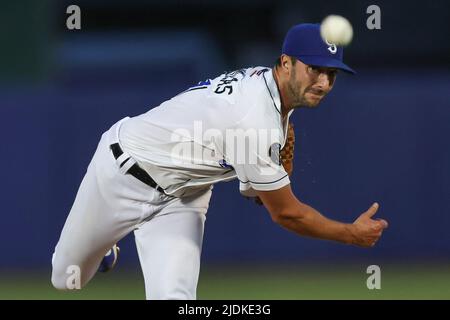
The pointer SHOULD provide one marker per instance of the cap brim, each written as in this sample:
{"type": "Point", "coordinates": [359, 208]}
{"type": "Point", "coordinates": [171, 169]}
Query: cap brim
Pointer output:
{"type": "Point", "coordinates": [326, 62]}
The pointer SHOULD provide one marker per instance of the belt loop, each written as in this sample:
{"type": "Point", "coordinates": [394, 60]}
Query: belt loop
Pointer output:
{"type": "Point", "coordinates": [124, 156]}
{"type": "Point", "coordinates": [127, 165]}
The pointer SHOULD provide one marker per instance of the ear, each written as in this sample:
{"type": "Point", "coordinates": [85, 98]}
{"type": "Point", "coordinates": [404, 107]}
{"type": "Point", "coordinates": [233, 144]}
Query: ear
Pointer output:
{"type": "Point", "coordinates": [286, 63]}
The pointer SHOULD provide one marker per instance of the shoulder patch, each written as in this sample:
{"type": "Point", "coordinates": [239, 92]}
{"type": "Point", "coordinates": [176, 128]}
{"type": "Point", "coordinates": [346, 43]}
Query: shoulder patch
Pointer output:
{"type": "Point", "coordinates": [274, 153]}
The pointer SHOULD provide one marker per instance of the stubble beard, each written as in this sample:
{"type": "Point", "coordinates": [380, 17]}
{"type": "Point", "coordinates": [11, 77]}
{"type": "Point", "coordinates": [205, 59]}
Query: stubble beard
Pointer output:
{"type": "Point", "coordinates": [297, 97]}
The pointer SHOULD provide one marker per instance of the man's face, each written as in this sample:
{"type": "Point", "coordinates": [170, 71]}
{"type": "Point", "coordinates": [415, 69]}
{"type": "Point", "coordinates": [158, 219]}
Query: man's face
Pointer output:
{"type": "Point", "coordinates": [307, 85]}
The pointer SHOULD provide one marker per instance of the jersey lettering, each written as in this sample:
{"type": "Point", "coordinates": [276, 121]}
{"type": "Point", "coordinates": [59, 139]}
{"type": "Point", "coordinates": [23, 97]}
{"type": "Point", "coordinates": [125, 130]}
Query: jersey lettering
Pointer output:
{"type": "Point", "coordinates": [226, 83]}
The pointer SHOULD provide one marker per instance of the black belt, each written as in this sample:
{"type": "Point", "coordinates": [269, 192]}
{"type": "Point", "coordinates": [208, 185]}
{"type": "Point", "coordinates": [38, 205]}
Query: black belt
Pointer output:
{"type": "Point", "coordinates": [135, 170]}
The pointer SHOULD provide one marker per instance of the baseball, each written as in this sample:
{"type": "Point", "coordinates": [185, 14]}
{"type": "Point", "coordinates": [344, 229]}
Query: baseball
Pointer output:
{"type": "Point", "coordinates": [336, 29]}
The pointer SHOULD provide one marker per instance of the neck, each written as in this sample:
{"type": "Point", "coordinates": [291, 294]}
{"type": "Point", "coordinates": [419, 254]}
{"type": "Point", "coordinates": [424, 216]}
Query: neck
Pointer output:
{"type": "Point", "coordinates": [284, 105]}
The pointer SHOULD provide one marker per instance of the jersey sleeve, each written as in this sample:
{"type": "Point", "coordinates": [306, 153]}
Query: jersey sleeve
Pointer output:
{"type": "Point", "coordinates": [255, 157]}
{"type": "Point", "coordinates": [264, 175]}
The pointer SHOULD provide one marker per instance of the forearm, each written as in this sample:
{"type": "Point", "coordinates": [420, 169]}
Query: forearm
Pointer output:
{"type": "Point", "coordinates": [307, 221]}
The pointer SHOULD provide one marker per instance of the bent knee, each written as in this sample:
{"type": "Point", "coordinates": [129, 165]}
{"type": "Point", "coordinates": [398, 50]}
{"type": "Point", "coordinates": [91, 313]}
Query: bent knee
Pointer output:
{"type": "Point", "coordinates": [66, 281]}
{"type": "Point", "coordinates": [59, 282]}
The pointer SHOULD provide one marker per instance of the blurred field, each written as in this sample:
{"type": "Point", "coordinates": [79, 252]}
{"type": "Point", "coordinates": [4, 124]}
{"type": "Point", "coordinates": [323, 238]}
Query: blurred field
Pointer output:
{"type": "Point", "coordinates": [397, 282]}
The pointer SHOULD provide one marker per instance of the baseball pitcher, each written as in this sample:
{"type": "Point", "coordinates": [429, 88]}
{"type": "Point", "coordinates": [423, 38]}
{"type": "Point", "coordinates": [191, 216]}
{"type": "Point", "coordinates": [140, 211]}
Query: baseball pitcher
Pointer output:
{"type": "Point", "coordinates": [153, 174]}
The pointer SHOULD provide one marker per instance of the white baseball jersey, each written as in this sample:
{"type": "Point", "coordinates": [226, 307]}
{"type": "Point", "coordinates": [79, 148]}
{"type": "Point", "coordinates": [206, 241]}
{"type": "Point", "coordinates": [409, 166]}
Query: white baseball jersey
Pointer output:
{"type": "Point", "coordinates": [221, 129]}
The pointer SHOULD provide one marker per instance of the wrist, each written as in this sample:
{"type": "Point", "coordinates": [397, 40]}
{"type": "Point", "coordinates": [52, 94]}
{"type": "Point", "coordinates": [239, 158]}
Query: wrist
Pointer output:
{"type": "Point", "coordinates": [350, 234]}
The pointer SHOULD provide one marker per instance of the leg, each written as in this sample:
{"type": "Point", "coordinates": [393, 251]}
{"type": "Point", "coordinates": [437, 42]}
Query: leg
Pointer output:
{"type": "Point", "coordinates": [169, 247]}
{"type": "Point", "coordinates": [101, 215]}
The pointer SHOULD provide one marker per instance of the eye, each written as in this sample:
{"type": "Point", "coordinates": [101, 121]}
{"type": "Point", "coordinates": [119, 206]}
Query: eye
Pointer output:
{"type": "Point", "coordinates": [314, 69]}
{"type": "Point", "coordinates": [333, 73]}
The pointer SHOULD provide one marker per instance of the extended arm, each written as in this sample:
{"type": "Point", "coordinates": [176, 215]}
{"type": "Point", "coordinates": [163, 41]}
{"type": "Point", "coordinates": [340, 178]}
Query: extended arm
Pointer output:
{"type": "Point", "coordinates": [286, 210]}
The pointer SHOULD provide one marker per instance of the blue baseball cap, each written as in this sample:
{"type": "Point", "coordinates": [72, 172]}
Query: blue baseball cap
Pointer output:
{"type": "Point", "coordinates": [304, 42]}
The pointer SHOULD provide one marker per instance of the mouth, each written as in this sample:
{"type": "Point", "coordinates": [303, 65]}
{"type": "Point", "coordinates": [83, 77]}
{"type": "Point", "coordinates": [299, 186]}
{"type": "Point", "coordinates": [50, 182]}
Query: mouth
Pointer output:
{"type": "Point", "coordinates": [315, 95]}
{"type": "Point", "coordinates": [316, 91]}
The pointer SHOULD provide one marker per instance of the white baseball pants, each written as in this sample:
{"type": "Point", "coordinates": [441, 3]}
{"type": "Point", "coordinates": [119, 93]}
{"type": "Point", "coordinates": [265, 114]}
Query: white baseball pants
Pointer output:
{"type": "Point", "coordinates": [109, 205]}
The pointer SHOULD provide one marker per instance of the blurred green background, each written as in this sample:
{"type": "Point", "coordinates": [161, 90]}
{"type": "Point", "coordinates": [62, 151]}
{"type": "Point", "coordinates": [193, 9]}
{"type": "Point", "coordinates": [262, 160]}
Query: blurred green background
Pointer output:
{"type": "Point", "coordinates": [290, 282]}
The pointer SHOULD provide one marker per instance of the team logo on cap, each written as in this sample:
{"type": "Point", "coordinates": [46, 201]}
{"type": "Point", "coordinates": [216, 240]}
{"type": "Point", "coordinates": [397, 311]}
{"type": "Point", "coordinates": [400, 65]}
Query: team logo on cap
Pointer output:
{"type": "Point", "coordinates": [331, 47]}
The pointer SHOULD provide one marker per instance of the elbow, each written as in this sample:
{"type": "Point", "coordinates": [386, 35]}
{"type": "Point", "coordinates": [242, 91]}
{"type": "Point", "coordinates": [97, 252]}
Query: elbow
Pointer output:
{"type": "Point", "coordinates": [276, 217]}
{"type": "Point", "coordinates": [282, 217]}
